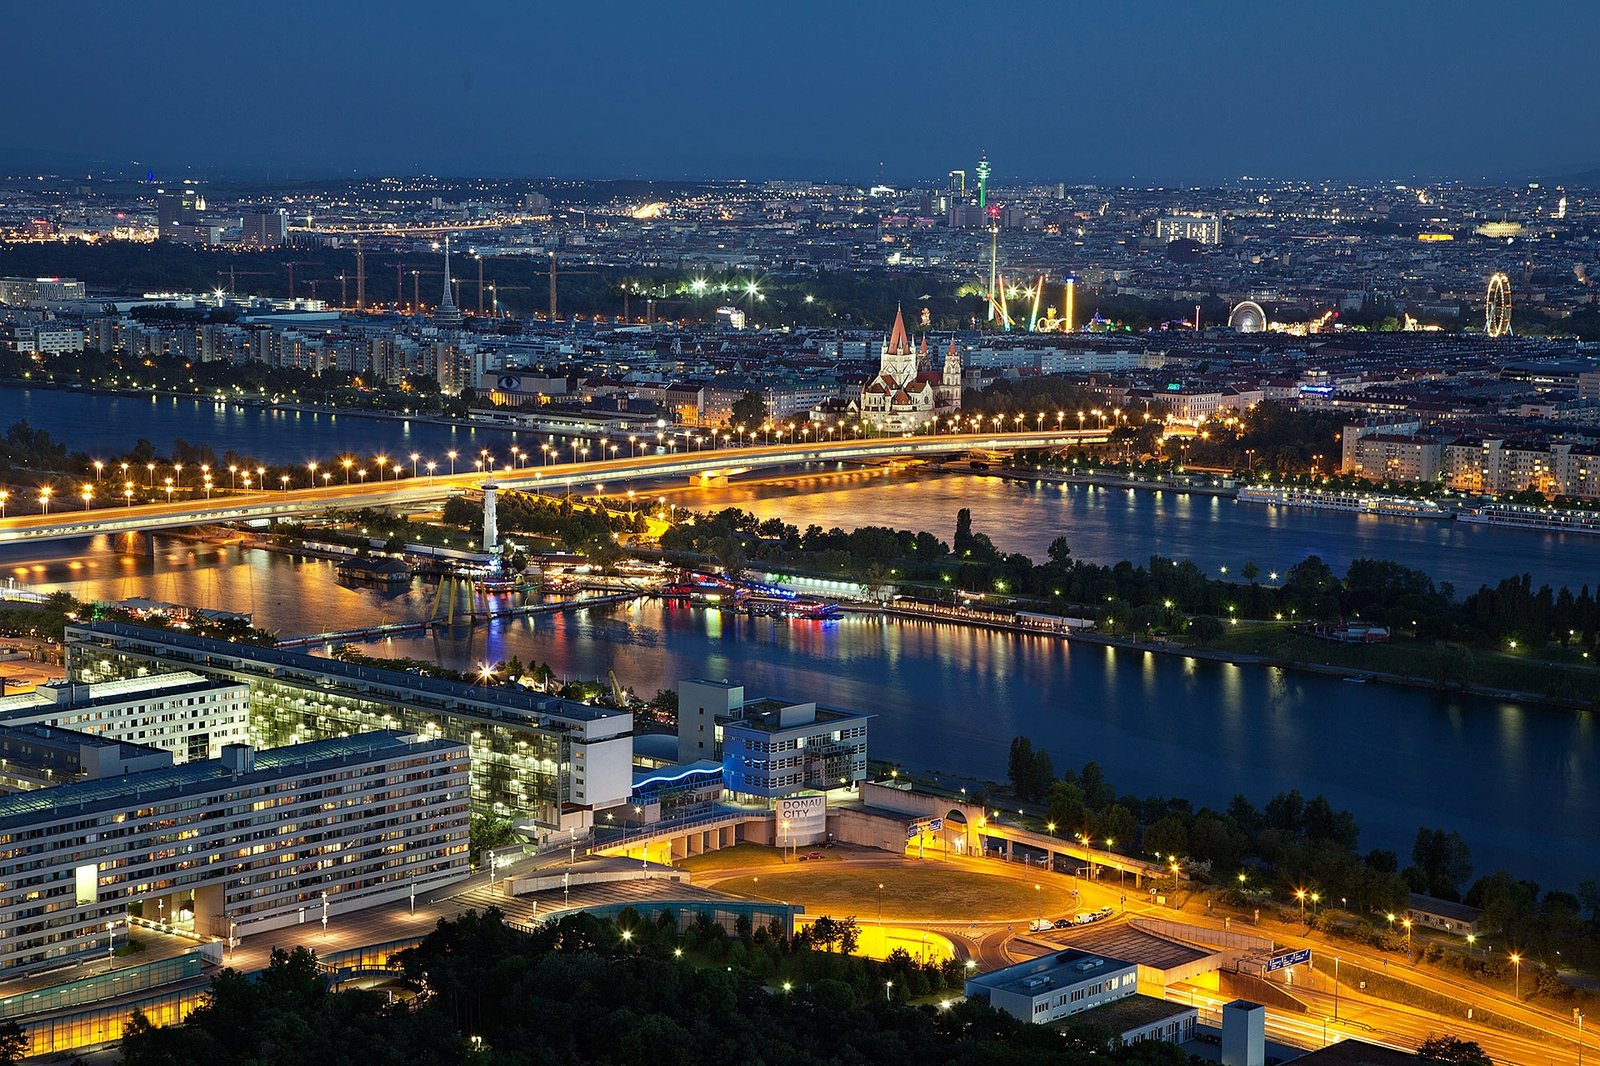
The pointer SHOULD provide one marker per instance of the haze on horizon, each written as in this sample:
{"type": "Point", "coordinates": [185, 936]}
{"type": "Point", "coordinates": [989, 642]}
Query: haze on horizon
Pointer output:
{"type": "Point", "coordinates": [1158, 91]}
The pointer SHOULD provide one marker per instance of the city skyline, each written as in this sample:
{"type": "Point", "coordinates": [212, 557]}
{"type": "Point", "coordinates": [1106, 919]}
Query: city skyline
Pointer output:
{"type": "Point", "coordinates": [1157, 92]}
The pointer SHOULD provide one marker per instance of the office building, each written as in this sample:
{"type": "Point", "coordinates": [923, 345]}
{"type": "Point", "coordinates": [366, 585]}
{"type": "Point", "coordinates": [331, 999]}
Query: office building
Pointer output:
{"type": "Point", "coordinates": [177, 208]}
{"type": "Point", "coordinates": [265, 229]}
{"type": "Point", "coordinates": [1202, 229]}
{"type": "Point", "coordinates": [37, 292]}
{"type": "Point", "coordinates": [179, 712]}
{"type": "Point", "coordinates": [229, 846]}
{"type": "Point", "coordinates": [1055, 986]}
{"type": "Point", "coordinates": [548, 761]}
{"type": "Point", "coordinates": [769, 748]}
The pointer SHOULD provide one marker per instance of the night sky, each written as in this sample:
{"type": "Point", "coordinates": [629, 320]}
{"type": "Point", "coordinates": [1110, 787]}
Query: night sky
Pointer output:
{"type": "Point", "coordinates": [1176, 91]}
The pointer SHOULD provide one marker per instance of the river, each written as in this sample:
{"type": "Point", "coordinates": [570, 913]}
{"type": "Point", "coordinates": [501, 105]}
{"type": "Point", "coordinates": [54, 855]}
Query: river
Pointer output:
{"type": "Point", "coordinates": [1522, 784]}
{"type": "Point", "coordinates": [1519, 782]}
{"type": "Point", "coordinates": [1103, 525]}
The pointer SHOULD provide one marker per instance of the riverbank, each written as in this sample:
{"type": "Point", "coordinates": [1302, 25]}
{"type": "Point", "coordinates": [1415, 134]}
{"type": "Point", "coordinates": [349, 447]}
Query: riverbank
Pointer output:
{"type": "Point", "coordinates": [1378, 668]}
{"type": "Point", "coordinates": [1110, 481]}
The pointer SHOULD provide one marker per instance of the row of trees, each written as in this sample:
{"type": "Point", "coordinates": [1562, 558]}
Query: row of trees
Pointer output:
{"type": "Point", "coordinates": [1294, 843]}
{"type": "Point", "coordinates": [589, 530]}
{"type": "Point", "coordinates": [1169, 594]}
{"type": "Point", "coordinates": [582, 990]}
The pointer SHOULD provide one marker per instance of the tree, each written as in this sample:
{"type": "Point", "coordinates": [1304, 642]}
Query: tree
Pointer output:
{"type": "Point", "coordinates": [1250, 571]}
{"type": "Point", "coordinates": [1589, 896]}
{"type": "Point", "coordinates": [13, 1044]}
{"type": "Point", "coordinates": [1206, 629]}
{"type": "Point", "coordinates": [1454, 1050]}
{"type": "Point", "coordinates": [749, 410]}
{"type": "Point", "coordinates": [1169, 836]}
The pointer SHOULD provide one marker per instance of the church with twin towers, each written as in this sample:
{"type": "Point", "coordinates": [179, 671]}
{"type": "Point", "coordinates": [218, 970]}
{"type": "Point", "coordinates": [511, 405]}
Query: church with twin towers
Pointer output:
{"type": "Point", "coordinates": [907, 393]}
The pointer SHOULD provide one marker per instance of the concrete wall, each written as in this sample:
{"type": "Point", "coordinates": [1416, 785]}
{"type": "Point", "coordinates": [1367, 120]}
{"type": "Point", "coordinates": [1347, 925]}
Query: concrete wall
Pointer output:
{"type": "Point", "coordinates": [850, 826]}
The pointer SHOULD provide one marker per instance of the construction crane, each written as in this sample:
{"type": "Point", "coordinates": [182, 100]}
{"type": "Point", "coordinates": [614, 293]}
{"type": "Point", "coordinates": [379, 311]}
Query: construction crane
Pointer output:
{"type": "Point", "coordinates": [233, 275]}
{"type": "Point", "coordinates": [494, 296]}
{"type": "Point", "coordinates": [553, 282]}
{"type": "Point", "coordinates": [291, 266]}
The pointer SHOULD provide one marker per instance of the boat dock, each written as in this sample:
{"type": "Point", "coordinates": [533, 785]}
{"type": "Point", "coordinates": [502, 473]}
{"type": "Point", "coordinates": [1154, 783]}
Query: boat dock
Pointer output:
{"type": "Point", "coordinates": [390, 629]}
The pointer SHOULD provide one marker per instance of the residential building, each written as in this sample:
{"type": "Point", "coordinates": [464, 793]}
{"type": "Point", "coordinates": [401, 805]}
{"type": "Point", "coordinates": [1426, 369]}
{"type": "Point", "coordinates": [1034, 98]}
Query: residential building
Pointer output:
{"type": "Point", "coordinates": [1055, 986]}
{"type": "Point", "coordinates": [549, 761]}
{"type": "Point", "coordinates": [250, 841]}
{"type": "Point", "coordinates": [180, 712]}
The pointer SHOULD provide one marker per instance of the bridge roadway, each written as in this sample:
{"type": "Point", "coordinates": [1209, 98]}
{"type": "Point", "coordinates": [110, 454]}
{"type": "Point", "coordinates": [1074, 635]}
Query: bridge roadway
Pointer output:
{"type": "Point", "coordinates": [590, 476]}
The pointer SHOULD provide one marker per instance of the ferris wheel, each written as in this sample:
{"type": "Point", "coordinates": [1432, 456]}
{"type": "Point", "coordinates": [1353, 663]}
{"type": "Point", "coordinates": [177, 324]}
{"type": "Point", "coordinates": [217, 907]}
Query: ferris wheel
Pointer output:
{"type": "Point", "coordinates": [1497, 307]}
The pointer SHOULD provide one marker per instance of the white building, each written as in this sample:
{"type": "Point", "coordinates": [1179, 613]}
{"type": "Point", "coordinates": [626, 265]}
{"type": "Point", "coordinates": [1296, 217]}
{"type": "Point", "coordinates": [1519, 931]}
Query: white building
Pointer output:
{"type": "Point", "coordinates": [907, 394]}
{"type": "Point", "coordinates": [179, 712]}
{"type": "Point", "coordinates": [37, 292]}
{"type": "Point", "coordinates": [1204, 229]}
{"type": "Point", "coordinates": [1055, 986]}
{"type": "Point", "coordinates": [230, 846]}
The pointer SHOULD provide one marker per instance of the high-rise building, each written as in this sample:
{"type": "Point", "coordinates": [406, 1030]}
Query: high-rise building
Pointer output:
{"type": "Point", "coordinates": [223, 847]}
{"type": "Point", "coordinates": [265, 229]}
{"type": "Point", "coordinates": [958, 185]}
{"type": "Point", "coordinates": [179, 712]}
{"type": "Point", "coordinates": [1203, 229]}
{"type": "Point", "coordinates": [177, 208]}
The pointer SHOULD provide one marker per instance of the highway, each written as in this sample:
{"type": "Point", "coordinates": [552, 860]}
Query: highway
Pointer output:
{"type": "Point", "coordinates": [69, 521]}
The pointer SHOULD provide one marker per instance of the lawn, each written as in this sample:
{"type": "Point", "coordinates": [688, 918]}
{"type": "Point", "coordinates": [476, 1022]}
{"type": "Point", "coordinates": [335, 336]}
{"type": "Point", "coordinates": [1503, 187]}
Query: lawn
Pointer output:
{"type": "Point", "coordinates": [915, 891]}
{"type": "Point", "coordinates": [737, 857]}
{"type": "Point", "coordinates": [1419, 659]}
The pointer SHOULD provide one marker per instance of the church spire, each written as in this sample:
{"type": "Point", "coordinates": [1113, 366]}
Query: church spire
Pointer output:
{"type": "Point", "coordinates": [899, 340]}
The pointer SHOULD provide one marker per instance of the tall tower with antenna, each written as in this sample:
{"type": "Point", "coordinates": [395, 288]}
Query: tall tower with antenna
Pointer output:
{"type": "Point", "coordinates": [983, 182]}
{"type": "Point", "coordinates": [447, 315]}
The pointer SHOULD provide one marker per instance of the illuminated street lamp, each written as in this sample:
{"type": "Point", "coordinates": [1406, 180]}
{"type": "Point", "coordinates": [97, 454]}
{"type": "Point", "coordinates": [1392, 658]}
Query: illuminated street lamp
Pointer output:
{"type": "Point", "coordinates": [1516, 961]}
{"type": "Point", "coordinates": [382, 461]}
{"type": "Point", "coordinates": [98, 466]}
{"type": "Point", "coordinates": [414, 458]}
{"type": "Point", "coordinates": [451, 455]}
{"type": "Point", "coordinates": [87, 493]}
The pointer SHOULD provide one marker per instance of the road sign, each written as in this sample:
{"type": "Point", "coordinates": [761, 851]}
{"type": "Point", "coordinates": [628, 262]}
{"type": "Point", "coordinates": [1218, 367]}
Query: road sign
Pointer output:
{"type": "Point", "coordinates": [1292, 958]}
{"type": "Point", "coordinates": [914, 830]}
{"type": "Point", "coordinates": [936, 825]}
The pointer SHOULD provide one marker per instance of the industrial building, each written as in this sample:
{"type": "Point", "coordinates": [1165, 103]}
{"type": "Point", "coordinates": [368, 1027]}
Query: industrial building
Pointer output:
{"type": "Point", "coordinates": [1055, 986]}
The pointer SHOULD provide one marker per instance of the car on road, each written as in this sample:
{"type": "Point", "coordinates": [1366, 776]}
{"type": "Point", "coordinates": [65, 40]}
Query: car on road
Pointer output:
{"type": "Point", "coordinates": [1039, 925]}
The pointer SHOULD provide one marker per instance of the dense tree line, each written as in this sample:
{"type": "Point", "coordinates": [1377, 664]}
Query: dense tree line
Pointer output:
{"type": "Point", "coordinates": [1164, 594]}
{"type": "Point", "coordinates": [1297, 844]}
{"type": "Point", "coordinates": [583, 990]}
{"type": "Point", "coordinates": [1271, 436]}
{"type": "Point", "coordinates": [587, 529]}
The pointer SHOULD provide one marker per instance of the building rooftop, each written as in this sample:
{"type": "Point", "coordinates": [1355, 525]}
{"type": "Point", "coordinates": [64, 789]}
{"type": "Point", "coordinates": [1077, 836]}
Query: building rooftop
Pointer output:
{"type": "Point", "coordinates": [77, 694]}
{"type": "Point", "coordinates": [1134, 945]}
{"type": "Point", "coordinates": [1060, 969]}
{"type": "Point", "coordinates": [1129, 1012]}
{"type": "Point", "coordinates": [84, 797]}
{"type": "Point", "coordinates": [1358, 1053]}
{"type": "Point", "coordinates": [493, 702]}
{"type": "Point", "coordinates": [1444, 908]}
{"type": "Point", "coordinates": [774, 715]}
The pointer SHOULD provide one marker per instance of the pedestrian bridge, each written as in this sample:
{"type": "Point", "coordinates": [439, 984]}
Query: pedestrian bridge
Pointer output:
{"type": "Point", "coordinates": [595, 476]}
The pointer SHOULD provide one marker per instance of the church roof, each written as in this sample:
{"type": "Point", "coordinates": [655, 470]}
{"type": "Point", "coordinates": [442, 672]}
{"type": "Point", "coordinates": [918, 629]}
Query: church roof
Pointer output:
{"type": "Point", "coordinates": [899, 339]}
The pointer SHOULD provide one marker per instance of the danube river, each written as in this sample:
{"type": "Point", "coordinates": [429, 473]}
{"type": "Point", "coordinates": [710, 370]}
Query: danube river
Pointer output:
{"type": "Point", "coordinates": [1522, 783]}
{"type": "Point", "coordinates": [1103, 525]}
